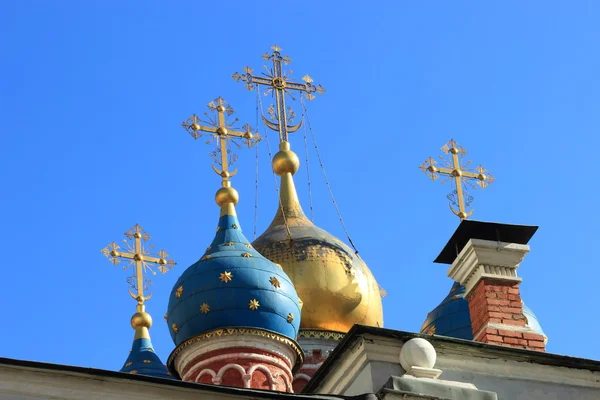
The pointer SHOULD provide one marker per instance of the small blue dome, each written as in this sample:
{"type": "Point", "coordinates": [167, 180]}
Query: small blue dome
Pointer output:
{"type": "Point", "coordinates": [232, 286]}
{"type": "Point", "coordinates": [143, 361]}
{"type": "Point", "coordinates": [452, 317]}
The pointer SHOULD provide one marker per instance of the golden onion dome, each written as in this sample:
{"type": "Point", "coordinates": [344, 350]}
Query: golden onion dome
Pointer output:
{"type": "Point", "coordinates": [336, 287]}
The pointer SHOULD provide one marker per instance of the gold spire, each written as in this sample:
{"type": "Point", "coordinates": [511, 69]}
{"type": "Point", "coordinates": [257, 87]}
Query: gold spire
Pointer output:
{"type": "Point", "coordinates": [316, 261]}
{"type": "Point", "coordinates": [459, 172]}
{"type": "Point", "coordinates": [277, 80]}
{"type": "Point", "coordinates": [140, 257]}
{"type": "Point", "coordinates": [219, 129]}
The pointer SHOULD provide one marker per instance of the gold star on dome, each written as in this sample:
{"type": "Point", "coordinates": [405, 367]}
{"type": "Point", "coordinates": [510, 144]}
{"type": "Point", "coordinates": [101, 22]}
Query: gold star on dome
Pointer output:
{"type": "Point", "coordinates": [248, 245]}
{"type": "Point", "coordinates": [228, 244]}
{"type": "Point", "coordinates": [208, 249]}
{"type": "Point", "coordinates": [290, 318]}
{"type": "Point", "coordinates": [234, 226]}
{"type": "Point", "coordinates": [225, 276]}
{"type": "Point", "coordinates": [205, 257]}
{"type": "Point", "coordinates": [431, 330]}
{"type": "Point", "coordinates": [128, 364]}
{"type": "Point", "coordinates": [204, 308]}
{"type": "Point", "coordinates": [133, 371]}
{"type": "Point", "coordinates": [246, 255]}
{"type": "Point", "coordinates": [175, 328]}
{"type": "Point", "coordinates": [254, 304]}
{"type": "Point", "coordinates": [179, 291]}
{"type": "Point", "coordinates": [147, 362]}
{"type": "Point", "coordinates": [275, 282]}
{"type": "Point", "coordinates": [218, 228]}
{"type": "Point", "coordinates": [166, 317]}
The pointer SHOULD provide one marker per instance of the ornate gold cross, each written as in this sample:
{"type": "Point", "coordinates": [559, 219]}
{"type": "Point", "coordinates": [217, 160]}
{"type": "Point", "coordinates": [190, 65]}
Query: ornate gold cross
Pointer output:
{"type": "Point", "coordinates": [460, 174]}
{"type": "Point", "coordinates": [220, 129]}
{"type": "Point", "coordinates": [278, 81]}
{"type": "Point", "coordinates": [141, 258]}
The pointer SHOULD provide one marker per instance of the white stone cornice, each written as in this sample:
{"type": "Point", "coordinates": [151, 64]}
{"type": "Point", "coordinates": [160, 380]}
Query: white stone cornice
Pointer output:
{"type": "Point", "coordinates": [487, 259]}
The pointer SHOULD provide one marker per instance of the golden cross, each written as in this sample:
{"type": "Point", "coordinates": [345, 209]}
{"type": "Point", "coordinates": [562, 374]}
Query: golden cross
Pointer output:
{"type": "Point", "coordinates": [460, 174]}
{"type": "Point", "coordinates": [141, 258]}
{"type": "Point", "coordinates": [278, 81]}
{"type": "Point", "coordinates": [221, 129]}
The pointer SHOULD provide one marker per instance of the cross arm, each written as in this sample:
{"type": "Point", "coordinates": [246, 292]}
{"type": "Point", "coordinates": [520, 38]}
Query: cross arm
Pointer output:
{"type": "Point", "coordinates": [116, 253]}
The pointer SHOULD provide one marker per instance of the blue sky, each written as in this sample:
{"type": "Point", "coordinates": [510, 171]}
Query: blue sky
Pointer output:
{"type": "Point", "coordinates": [92, 95]}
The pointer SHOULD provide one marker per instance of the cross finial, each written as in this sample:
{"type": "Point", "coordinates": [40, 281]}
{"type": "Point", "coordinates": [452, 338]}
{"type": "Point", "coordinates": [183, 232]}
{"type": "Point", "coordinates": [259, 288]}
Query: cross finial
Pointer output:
{"type": "Point", "coordinates": [278, 81]}
{"type": "Point", "coordinates": [460, 174]}
{"type": "Point", "coordinates": [140, 257]}
{"type": "Point", "coordinates": [220, 129]}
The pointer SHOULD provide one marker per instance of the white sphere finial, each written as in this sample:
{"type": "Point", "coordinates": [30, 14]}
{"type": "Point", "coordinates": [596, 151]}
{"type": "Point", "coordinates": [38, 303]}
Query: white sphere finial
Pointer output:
{"type": "Point", "coordinates": [419, 353]}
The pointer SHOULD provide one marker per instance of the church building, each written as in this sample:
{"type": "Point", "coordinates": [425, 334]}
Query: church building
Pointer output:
{"type": "Point", "coordinates": [298, 314]}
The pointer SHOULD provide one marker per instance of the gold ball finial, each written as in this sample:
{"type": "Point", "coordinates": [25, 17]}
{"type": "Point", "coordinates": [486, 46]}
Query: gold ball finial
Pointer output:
{"type": "Point", "coordinates": [285, 160]}
{"type": "Point", "coordinates": [226, 195]}
{"type": "Point", "coordinates": [221, 131]}
{"type": "Point", "coordinates": [141, 320]}
{"type": "Point", "coordinates": [195, 127]}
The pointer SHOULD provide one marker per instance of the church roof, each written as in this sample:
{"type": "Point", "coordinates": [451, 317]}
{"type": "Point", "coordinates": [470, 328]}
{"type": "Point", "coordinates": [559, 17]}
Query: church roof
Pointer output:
{"type": "Point", "coordinates": [142, 360]}
{"type": "Point", "coordinates": [348, 343]}
{"type": "Point", "coordinates": [232, 286]}
{"type": "Point", "coordinates": [453, 318]}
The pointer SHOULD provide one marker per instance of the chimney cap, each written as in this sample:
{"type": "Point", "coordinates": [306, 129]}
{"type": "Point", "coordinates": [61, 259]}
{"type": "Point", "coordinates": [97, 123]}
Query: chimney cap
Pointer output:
{"type": "Point", "coordinates": [470, 229]}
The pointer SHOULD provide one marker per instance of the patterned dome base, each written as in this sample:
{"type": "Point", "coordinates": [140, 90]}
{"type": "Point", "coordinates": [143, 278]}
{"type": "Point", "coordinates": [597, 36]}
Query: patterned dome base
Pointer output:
{"type": "Point", "coordinates": [452, 317]}
{"type": "Point", "coordinates": [143, 361]}
{"type": "Point", "coordinates": [232, 286]}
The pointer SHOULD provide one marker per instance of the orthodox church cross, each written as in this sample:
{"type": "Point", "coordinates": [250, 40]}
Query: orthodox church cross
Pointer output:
{"type": "Point", "coordinates": [460, 174]}
{"type": "Point", "coordinates": [278, 81]}
{"type": "Point", "coordinates": [140, 256]}
{"type": "Point", "coordinates": [221, 130]}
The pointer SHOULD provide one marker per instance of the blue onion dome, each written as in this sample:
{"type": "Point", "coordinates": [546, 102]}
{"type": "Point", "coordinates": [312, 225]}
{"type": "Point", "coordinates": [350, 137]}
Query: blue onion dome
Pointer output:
{"type": "Point", "coordinates": [142, 360]}
{"type": "Point", "coordinates": [453, 318]}
{"type": "Point", "coordinates": [232, 286]}
{"type": "Point", "coordinates": [533, 322]}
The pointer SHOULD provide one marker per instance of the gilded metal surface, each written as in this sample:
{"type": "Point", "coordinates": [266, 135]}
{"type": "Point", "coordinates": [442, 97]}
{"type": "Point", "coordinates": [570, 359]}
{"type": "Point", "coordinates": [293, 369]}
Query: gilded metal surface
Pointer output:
{"type": "Point", "coordinates": [140, 257]}
{"type": "Point", "coordinates": [243, 332]}
{"type": "Point", "coordinates": [225, 276]}
{"type": "Point", "coordinates": [317, 263]}
{"type": "Point", "coordinates": [290, 317]}
{"type": "Point", "coordinates": [246, 255]}
{"type": "Point", "coordinates": [254, 304]}
{"type": "Point", "coordinates": [204, 308]}
{"type": "Point", "coordinates": [460, 174]}
{"type": "Point", "coordinates": [179, 291]}
{"type": "Point", "coordinates": [175, 328]}
{"type": "Point", "coordinates": [319, 334]}
{"type": "Point", "coordinates": [220, 129]}
{"type": "Point", "coordinates": [275, 282]}
{"type": "Point", "coordinates": [278, 83]}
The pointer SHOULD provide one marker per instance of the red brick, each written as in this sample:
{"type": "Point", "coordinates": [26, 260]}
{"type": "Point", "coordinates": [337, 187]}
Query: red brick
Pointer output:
{"type": "Point", "coordinates": [535, 343]}
{"type": "Point", "coordinates": [510, 333]}
{"type": "Point", "coordinates": [512, 340]}
{"type": "Point", "coordinates": [513, 322]}
{"type": "Point", "coordinates": [514, 291]}
{"type": "Point", "coordinates": [495, 320]}
{"type": "Point", "coordinates": [533, 336]}
{"type": "Point", "coordinates": [492, 338]}
{"type": "Point", "coordinates": [514, 297]}
{"type": "Point", "coordinates": [491, 295]}
{"type": "Point", "coordinates": [500, 315]}
{"type": "Point", "coordinates": [512, 310]}
{"type": "Point", "coordinates": [493, 308]}
{"type": "Point", "coordinates": [502, 295]}
{"type": "Point", "coordinates": [516, 303]}
{"type": "Point", "coordinates": [498, 302]}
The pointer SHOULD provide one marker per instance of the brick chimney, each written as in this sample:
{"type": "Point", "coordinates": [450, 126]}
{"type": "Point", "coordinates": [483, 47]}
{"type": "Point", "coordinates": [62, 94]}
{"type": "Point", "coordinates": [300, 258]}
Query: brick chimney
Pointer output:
{"type": "Point", "coordinates": [488, 271]}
